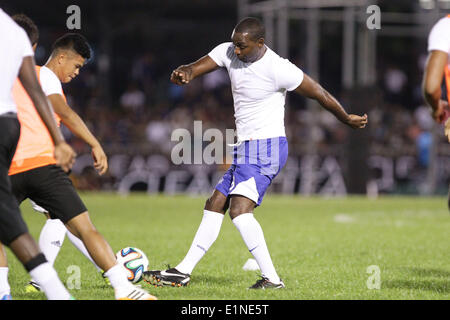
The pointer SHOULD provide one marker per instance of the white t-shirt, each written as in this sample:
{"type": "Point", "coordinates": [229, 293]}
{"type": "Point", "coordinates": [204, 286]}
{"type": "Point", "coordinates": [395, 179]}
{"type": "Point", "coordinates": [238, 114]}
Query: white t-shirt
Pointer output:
{"type": "Point", "coordinates": [439, 38]}
{"type": "Point", "coordinates": [259, 91]}
{"type": "Point", "coordinates": [14, 46]}
{"type": "Point", "coordinates": [49, 82]}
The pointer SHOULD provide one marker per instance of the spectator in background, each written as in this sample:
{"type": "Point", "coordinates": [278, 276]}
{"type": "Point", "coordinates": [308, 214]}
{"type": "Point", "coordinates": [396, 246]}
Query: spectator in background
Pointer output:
{"type": "Point", "coordinates": [395, 81]}
{"type": "Point", "coordinates": [133, 99]}
{"type": "Point", "coordinates": [158, 133]}
{"type": "Point", "coordinates": [143, 72]}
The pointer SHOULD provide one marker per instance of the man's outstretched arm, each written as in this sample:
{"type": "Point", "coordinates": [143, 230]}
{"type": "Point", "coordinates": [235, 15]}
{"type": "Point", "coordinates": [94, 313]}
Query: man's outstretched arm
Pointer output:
{"type": "Point", "coordinates": [432, 81]}
{"type": "Point", "coordinates": [64, 154]}
{"type": "Point", "coordinates": [311, 89]}
{"type": "Point", "coordinates": [185, 73]}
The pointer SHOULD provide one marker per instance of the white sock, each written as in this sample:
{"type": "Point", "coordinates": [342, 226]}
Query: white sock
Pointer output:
{"type": "Point", "coordinates": [80, 246]}
{"type": "Point", "coordinates": [51, 239]}
{"type": "Point", "coordinates": [253, 236]}
{"type": "Point", "coordinates": [207, 233]}
{"type": "Point", "coordinates": [47, 278]}
{"type": "Point", "coordinates": [118, 278]}
{"type": "Point", "coordinates": [4, 285]}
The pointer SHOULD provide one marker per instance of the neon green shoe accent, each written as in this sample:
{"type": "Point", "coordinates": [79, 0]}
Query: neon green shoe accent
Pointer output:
{"type": "Point", "coordinates": [32, 287]}
{"type": "Point", "coordinates": [105, 278]}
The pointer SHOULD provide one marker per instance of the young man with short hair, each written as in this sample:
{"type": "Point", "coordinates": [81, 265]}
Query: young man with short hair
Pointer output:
{"type": "Point", "coordinates": [260, 79]}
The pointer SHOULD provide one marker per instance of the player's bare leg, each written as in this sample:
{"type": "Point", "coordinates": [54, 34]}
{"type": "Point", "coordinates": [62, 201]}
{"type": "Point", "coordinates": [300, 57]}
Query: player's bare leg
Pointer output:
{"type": "Point", "coordinates": [25, 248]}
{"type": "Point", "coordinates": [99, 249]}
{"type": "Point", "coordinates": [82, 227]}
{"type": "Point", "coordinates": [50, 242]}
{"type": "Point", "coordinates": [3, 259]}
{"type": "Point", "coordinates": [51, 239]}
{"type": "Point", "coordinates": [217, 202]}
{"type": "Point", "coordinates": [28, 252]}
{"type": "Point", "coordinates": [207, 233]}
{"type": "Point", "coordinates": [240, 205]}
{"type": "Point", "coordinates": [241, 213]}
{"type": "Point", "coordinates": [25, 254]}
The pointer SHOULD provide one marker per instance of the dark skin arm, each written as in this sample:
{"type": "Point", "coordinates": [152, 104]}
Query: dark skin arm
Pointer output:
{"type": "Point", "coordinates": [185, 73]}
{"type": "Point", "coordinates": [431, 84]}
{"type": "Point", "coordinates": [311, 89]}
{"type": "Point", "coordinates": [64, 154]}
{"type": "Point", "coordinates": [77, 126]}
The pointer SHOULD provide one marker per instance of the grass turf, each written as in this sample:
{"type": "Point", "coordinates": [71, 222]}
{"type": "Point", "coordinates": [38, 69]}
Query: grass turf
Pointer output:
{"type": "Point", "coordinates": [320, 247]}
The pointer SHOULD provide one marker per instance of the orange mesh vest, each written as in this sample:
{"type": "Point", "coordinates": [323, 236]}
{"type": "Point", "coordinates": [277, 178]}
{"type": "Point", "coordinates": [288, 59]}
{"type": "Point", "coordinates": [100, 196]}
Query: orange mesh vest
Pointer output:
{"type": "Point", "coordinates": [447, 76]}
{"type": "Point", "coordinates": [35, 147]}
{"type": "Point", "coordinates": [447, 81]}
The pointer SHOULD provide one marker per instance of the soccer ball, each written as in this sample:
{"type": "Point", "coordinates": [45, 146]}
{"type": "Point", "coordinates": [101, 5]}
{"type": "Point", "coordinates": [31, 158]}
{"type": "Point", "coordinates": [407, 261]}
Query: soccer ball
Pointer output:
{"type": "Point", "coordinates": [134, 261]}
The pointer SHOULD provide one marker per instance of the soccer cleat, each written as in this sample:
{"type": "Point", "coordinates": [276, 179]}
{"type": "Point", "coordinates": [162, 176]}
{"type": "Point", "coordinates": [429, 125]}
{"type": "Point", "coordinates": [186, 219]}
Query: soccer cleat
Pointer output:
{"type": "Point", "coordinates": [6, 297]}
{"type": "Point", "coordinates": [32, 287]}
{"type": "Point", "coordinates": [133, 293]}
{"type": "Point", "coordinates": [170, 277]}
{"type": "Point", "coordinates": [264, 283]}
{"type": "Point", "coordinates": [105, 278]}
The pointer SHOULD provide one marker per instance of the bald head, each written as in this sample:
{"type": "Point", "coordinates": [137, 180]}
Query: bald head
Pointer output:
{"type": "Point", "coordinates": [252, 26]}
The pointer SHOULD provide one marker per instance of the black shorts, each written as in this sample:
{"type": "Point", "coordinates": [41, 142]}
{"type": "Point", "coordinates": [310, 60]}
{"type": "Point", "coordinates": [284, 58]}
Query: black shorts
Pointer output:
{"type": "Point", "coordinates": [11, 221]}
{"type": "Point", "coordinates": [51, 188]}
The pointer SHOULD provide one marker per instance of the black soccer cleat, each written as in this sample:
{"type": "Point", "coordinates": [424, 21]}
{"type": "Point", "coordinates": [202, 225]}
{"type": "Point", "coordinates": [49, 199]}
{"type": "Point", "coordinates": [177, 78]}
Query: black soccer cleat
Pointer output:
{"type": "Point", "coordinates": [170, 277]}
{"type": "Point", "coordinates": [264, 283]}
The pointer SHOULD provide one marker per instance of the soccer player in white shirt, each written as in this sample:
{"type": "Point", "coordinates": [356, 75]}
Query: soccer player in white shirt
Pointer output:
{"type": "Point", "coordinates": [16, 59]}
{"type": "Point", "coordinates": [438, 67]}
{"type": "Point", "coordinates": [259, 82]}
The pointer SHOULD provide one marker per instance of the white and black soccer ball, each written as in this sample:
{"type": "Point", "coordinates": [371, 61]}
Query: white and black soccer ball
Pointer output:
{"type": "Point", "coordinates": [134, 261]}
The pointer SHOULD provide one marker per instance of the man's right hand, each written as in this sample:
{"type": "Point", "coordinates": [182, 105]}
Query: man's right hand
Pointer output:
{"type": "Point", "coordinates": [185, 73]}
{"type": "Point", "coordinates": [442, 111]}
{"type": "Point", "coordinates": [64, 155]}
{"type": "Point", "coordinates": [181, 75]}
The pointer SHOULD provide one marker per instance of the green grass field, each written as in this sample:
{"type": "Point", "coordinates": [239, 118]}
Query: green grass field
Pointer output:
{"type": "Point", "coordinates": [320, 247]}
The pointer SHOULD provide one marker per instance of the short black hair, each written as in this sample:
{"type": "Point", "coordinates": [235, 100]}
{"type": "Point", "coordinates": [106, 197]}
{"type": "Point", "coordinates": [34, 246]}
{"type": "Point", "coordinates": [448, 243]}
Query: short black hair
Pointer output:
{"type": "Point", "coordinates": [75, 42]}
{"type": "Point", "coordinates": [28, 25]}
{"type": "Point", "coordinates": [253, 26]}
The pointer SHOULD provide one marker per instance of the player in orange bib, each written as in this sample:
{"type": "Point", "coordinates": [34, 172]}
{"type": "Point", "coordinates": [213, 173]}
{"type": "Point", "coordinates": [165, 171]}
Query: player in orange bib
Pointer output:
{"type": "Point", "coordinates": [34, 175]}
{"type": "Point", "coordinates": [35, 150]}
{"type": "Point", "coordinates": [438, 67]}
